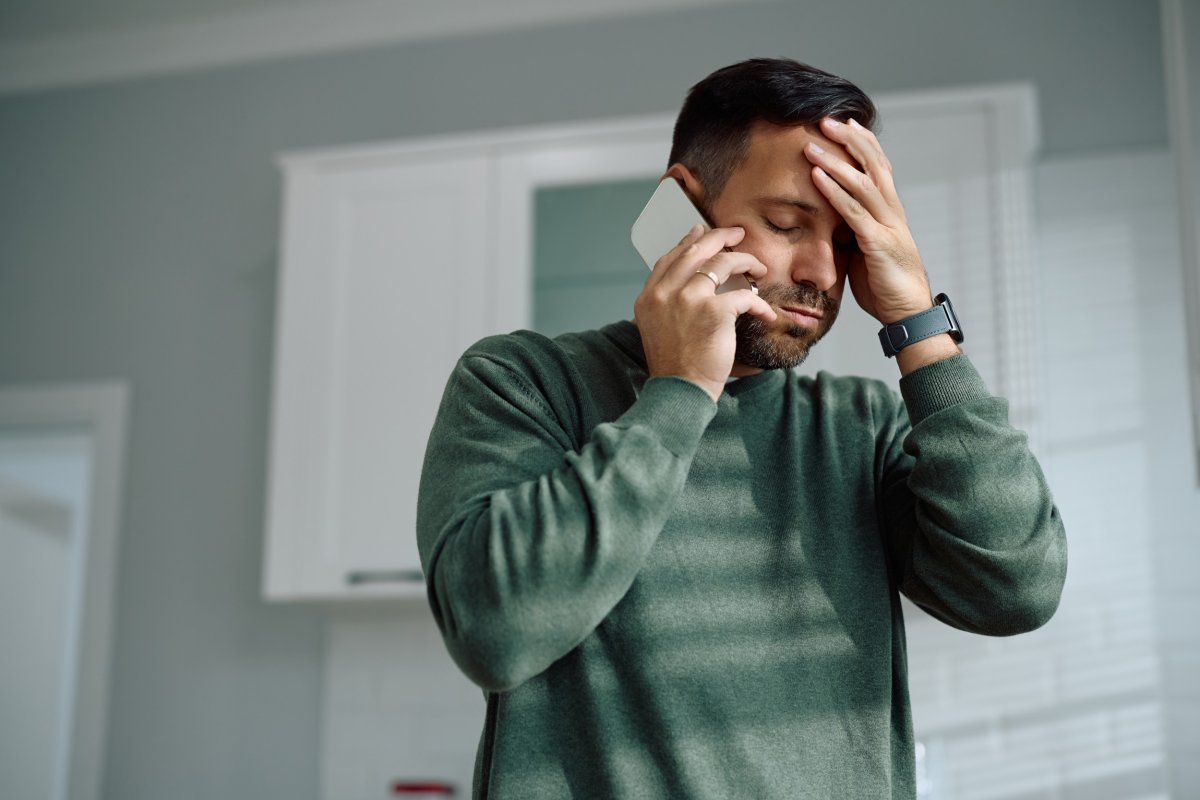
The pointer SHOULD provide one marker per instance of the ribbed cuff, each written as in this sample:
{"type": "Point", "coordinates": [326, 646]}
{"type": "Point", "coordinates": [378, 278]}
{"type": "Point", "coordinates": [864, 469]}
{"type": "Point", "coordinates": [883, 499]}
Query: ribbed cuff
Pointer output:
{"type": "Point", "coordinates": [677, 410]}
{"type": "Point", "coordinates": [940, 385]}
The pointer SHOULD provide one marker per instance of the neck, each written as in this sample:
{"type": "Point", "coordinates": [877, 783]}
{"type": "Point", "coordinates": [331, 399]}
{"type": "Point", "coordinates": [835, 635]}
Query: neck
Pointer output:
{"type": "Point", "coordinates": [741, 370]}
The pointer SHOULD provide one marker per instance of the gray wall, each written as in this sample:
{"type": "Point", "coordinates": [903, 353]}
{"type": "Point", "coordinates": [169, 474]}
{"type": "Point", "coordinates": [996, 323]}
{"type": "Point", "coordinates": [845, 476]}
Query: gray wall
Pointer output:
{"type": "Point", "coordinates": [1177, 497]}
{"type": "Point", "coordinates": [137, 240]}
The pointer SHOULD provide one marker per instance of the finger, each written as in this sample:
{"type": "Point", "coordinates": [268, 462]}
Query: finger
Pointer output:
{"type": "Point", "coordinates": [694, 233]}
{"type": "Point", "coordinates": [682, 267]}
{"type": "Point", "coordinates": [881, 166]}
{"type": "Point", "coordinates": [864, 147]}
{"type": "Point", "coordinates": [860, 220]}
{"type": "Point", "coordinates": [855, 182]}
{"type": "Point", "coordinates": [854, 136]}
{"type": "Point", "coordinates": [871, 139]}
{"type": "Point", "coordinates": [664, 262]}
{"type": "Point", "coordinates": [720, 274]}
{"type": "Point", "coordinates": [724, 265]}
{"type": "Point", "coordinates": [744, 301]}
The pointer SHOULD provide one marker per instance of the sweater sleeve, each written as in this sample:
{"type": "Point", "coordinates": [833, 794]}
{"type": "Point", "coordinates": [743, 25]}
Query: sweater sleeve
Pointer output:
{"type": "Point", "coordinates": [529, 539]}
{"type": "Point", "coordinates": [973, 534]}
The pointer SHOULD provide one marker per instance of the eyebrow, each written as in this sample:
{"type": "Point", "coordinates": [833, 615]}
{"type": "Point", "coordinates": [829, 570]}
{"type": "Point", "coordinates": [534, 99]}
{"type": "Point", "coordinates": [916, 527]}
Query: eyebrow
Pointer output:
{"type": "Point", "coordinates": [805, 206]}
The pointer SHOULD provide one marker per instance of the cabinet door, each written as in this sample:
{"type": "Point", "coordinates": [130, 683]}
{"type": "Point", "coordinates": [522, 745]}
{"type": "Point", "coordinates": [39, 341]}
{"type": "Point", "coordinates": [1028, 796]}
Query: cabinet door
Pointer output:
{"type": "Point", "coordinates": [382, 286]}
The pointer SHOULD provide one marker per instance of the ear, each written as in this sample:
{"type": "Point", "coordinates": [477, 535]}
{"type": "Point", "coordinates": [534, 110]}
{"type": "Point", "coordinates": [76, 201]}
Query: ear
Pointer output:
{"type": "Point", "coordinates": [690, 183]}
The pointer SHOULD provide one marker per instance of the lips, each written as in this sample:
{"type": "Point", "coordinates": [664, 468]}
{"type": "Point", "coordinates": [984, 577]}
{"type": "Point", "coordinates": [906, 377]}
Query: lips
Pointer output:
{"type": "Point", "coordinates": [802, 316]}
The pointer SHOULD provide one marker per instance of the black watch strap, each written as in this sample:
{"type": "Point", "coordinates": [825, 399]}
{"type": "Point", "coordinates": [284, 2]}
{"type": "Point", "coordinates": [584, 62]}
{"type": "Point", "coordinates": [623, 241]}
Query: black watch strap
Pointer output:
{"type": "Point", "coordinates": [939, 319]}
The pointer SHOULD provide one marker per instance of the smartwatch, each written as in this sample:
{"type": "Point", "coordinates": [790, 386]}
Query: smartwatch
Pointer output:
{"type": "Point", "coordinates": [939, 319]}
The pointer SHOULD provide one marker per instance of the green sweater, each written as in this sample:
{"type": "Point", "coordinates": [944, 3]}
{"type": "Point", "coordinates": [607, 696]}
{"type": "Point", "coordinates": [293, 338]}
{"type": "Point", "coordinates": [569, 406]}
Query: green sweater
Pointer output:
{"type": "Point", "coordinates": [663, 597]}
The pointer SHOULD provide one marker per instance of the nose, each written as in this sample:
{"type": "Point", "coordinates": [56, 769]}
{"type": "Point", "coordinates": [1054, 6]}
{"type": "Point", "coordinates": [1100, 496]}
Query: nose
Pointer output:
{"type": "Point", "coordinates": [817, 265]}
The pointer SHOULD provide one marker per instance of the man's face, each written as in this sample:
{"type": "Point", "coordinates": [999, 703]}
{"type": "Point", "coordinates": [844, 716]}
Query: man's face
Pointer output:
{"type": "Point", "coordinates": [792, 229]}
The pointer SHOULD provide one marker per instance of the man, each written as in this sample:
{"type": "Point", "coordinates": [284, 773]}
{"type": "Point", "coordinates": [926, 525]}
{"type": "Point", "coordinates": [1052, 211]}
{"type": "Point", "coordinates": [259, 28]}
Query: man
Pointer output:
{"type": "Point", "coordinates": [672, 564]}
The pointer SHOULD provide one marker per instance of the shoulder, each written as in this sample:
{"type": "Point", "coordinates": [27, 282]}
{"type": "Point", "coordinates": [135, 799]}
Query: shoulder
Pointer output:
{"type": "Point", "coordinates": [585, 355]}
{"type": "Point", "coordinates": [516, 349]}
{"type": "Point", "coordinates": [581, 378]}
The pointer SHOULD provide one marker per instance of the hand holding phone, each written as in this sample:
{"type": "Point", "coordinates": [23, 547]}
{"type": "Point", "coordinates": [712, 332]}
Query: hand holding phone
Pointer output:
{"type": "Point", "coordinates": [667, 217]}
{"type": "Point", "coordinates": [688, 330]}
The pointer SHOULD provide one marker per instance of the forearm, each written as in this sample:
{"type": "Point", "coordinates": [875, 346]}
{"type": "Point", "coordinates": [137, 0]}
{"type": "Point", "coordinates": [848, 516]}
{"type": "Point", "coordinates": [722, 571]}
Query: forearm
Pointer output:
{"type": "Point", "coordinates": [526, 567]}
{"type": "Point", "coordinates": [984, 546]}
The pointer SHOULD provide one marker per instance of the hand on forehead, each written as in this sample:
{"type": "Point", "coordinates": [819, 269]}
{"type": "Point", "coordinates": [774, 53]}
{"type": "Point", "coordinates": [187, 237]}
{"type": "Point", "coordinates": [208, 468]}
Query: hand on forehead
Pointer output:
{"type": "Point", "coordinates": [776, 164]}
{"type": "Point", "coordinates": [837, 149]}
{"type": "Point", "coordinates": [773, 147]}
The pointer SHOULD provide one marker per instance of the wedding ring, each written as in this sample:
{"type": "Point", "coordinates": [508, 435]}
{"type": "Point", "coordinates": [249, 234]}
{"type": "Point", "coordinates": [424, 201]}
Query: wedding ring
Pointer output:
{"type": "Point", "coordinates": [712, 276]}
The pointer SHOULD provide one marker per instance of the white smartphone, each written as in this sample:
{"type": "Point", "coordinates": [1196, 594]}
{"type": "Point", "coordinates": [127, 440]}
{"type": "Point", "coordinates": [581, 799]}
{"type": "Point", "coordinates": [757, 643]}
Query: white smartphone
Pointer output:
{"type": "Point", "coordinates": [662, 224]}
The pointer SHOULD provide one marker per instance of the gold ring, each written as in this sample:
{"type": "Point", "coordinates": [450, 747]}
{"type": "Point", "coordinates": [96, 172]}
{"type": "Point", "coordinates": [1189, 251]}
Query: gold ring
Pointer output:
{"type": "Point", "coordinates": [712, 276]}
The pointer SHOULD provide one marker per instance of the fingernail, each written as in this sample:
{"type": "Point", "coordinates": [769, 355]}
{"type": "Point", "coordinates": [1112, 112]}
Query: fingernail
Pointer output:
{"type": "Point", "coordinates": [854, 123]}
{"type": "Point", "coordinates": [816, 148]}
{"type": "Point", "coordinates": [832, 121]}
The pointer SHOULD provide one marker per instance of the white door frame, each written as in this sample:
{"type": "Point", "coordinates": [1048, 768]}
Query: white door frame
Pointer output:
{"type": "Point", "coordinates": [101, 409]}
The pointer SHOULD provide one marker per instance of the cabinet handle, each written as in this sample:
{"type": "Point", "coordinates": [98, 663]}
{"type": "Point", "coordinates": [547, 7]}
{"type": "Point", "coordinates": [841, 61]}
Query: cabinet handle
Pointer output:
{"type": "Point", "coordinates": [361, 576]}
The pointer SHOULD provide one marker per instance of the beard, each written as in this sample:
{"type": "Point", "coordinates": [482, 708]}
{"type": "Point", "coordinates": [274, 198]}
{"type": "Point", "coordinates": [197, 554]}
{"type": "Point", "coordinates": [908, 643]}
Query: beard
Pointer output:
{"type": "Point", "coordinates": [764, 346]}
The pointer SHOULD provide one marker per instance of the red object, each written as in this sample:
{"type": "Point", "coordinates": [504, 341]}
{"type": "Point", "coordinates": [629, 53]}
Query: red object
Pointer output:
{"type": "Point", "coordinates": [425, 788]}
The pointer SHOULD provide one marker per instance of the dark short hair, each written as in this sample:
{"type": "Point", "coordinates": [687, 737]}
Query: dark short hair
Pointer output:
{"type": "Point", "coordinates": [713, 129]}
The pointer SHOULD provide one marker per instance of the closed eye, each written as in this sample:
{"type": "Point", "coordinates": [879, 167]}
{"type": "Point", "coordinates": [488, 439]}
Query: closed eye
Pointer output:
{"type": "Point", "coordinates": [771, 226]}
{"type": "Point", "coordinates": [844, 242]}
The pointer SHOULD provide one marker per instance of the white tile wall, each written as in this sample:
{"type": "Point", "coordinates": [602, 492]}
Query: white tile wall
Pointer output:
{"type": "Point", "coordinates": [1071, 711]}
{"type": "Point", "coordinates": [395, 707]}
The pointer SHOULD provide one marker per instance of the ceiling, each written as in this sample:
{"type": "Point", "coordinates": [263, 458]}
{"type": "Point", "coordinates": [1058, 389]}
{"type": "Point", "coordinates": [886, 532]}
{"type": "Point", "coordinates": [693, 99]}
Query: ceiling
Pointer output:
{"type": "Point", "coordinates": [51, 43]}
{"type": "Point", "coordinates": [25, 20]}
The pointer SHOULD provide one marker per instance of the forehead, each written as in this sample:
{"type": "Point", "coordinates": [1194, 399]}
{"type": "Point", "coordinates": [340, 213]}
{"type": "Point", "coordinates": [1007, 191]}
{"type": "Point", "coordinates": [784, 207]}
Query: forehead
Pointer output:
{"type": "Point", "coordinates": [775, 157]}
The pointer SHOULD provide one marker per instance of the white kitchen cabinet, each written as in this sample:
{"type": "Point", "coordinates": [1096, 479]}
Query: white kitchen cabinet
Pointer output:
{"type": "Point", "coordinates": [396, 257]}
{"type": "Point", "coordinates": [381, 287]}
